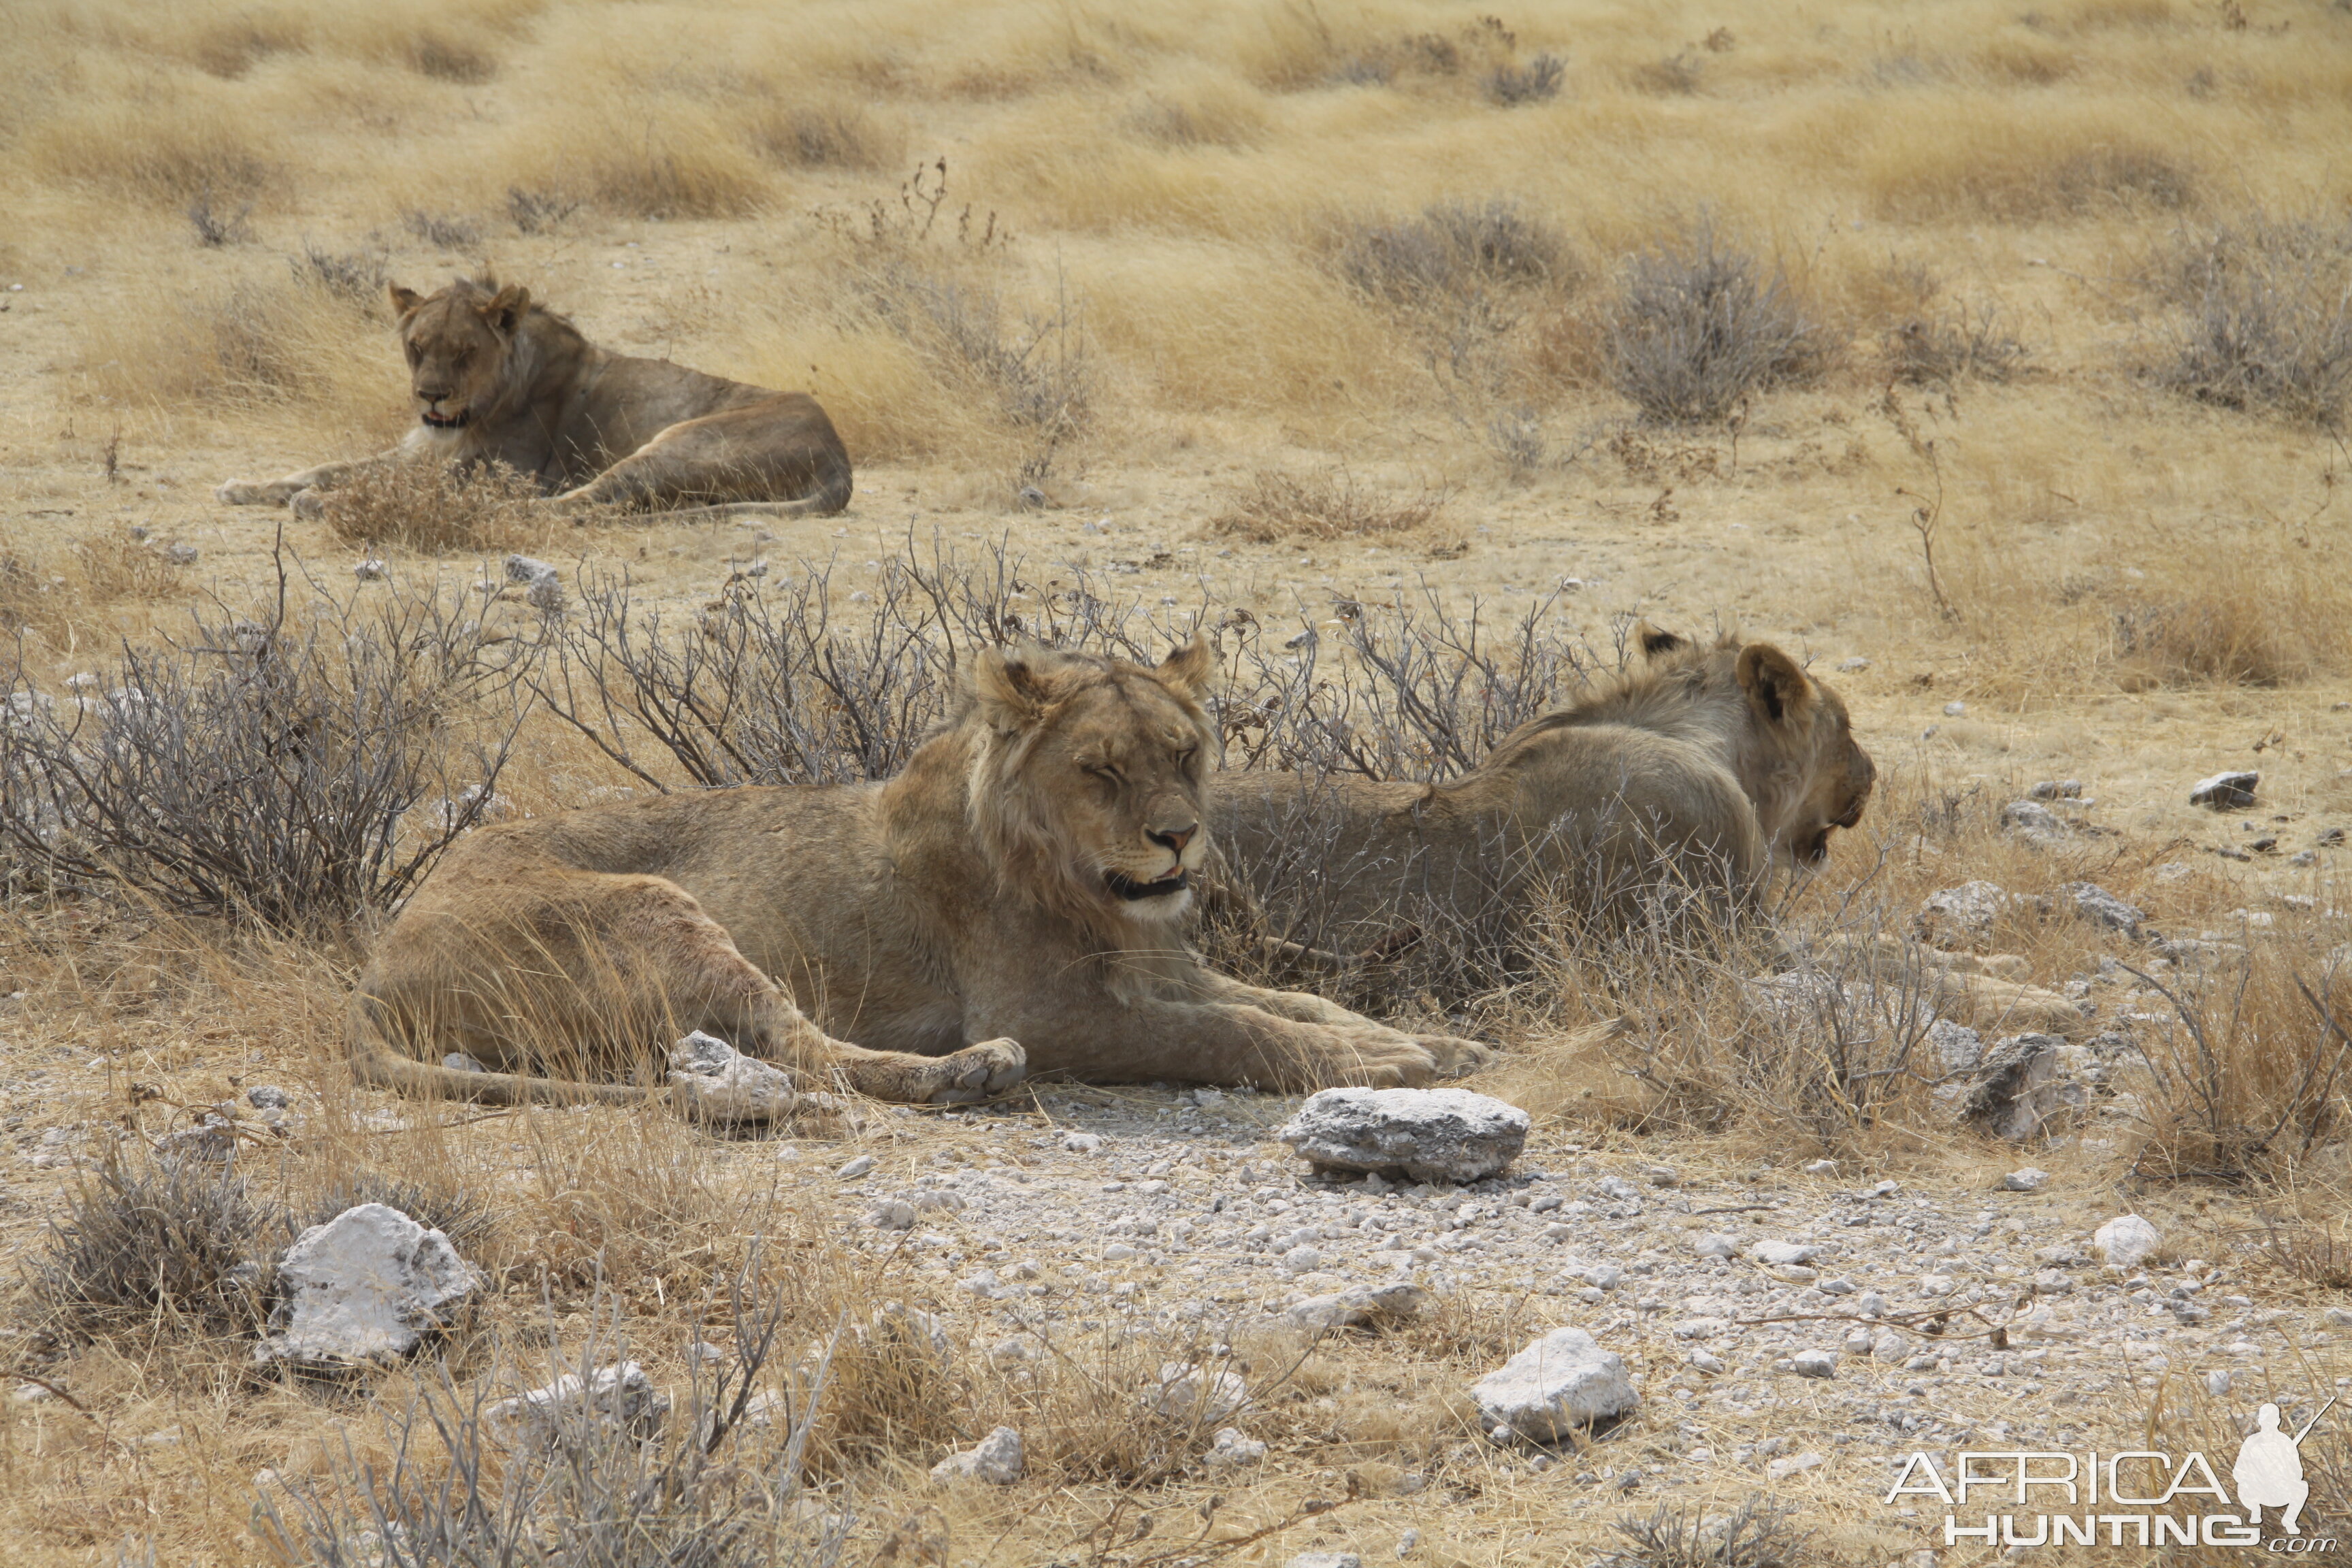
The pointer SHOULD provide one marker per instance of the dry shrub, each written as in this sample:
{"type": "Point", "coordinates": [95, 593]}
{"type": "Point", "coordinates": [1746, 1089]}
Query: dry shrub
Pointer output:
{"type": "Point", "coordinates": [1536, 81]}
{"type": "Point", "coordinates": [2264, 316]}
{"type": "Point", "coordinates": [836, 134]}
{"type": "Point", "coordinates": [1756, 1534]}
{"type": "Point", "coordinates": [265, 771]}
{"type": "Point", "coordinates": [1453, 249]}
{"type": "Point", "coordinates": [166, 1246]}
{"type": "Point", "coordinates": [119, 566]}
{"type": "Point", "coordinates": [2250, 1076]}
{"type": "Point", "coordinates": [32, 597]}
{"type": "Point", "coordinates": [1278, 506]}
{"type": "Point", "coordinates": [1676, 75]}
{"type": "Point", "coordinates": [436, 509]}
{"type": "Point", "coordinates": [1698, 324]}
{"type": "Point", "coordinates": [1932, 340]}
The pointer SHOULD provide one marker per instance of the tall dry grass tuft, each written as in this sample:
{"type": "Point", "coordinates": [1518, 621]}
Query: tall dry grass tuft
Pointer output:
{"type": "Point", "coordinates": [2264, 316]}
{"type": "Point", "coordinates": [436, 510]}
{"type": "Point", "coordinates": [172, 146]}
{"type": "Point", "coordinates": [165, 1247]}
{"type": "Point", "coordinates": [1699, 325]}
{"type": "Point", "coordinates": [1277, 506]}
{"type": "Point", "coordinates": [655, 156]}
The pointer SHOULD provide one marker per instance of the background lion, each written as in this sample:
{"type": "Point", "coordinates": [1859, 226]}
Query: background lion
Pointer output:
{"type": "Point", "coordinates": [500, 379]}
{"type": "Point", "coordinates": [1026, 879]}
{"type": "Point", "coordinates": [1684, 780]}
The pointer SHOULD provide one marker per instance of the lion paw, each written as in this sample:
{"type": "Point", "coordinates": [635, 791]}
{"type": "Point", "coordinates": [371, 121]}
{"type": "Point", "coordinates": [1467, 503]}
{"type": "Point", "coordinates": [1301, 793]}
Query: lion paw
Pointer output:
{"type": "Point", "coordinates": [978, 1072]}
{"type": "Point", "coordinates": [1456, 1056]}
{"type": "Point", "coordinates": [1380, 1059]}
{"type": "Point", "coordinates": [253, 492]}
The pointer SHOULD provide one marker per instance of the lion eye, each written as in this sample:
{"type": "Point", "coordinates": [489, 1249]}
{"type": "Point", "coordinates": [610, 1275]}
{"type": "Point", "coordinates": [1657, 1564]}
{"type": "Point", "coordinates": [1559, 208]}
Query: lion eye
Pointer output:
{"type": "Point", "coordinates": [1108, 771]}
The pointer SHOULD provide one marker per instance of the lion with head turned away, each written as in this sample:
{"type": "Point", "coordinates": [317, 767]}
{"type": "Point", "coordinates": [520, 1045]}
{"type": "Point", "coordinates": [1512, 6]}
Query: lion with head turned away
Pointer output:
{"type": "Point", "coordinates": [1012, 902]}
{"type": "Point", "coordinates": [500, 379]}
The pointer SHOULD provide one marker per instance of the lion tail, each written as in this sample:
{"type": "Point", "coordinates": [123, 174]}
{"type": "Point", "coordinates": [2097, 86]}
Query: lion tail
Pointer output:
{"type": "Point", "coordinates": [377, 1062]}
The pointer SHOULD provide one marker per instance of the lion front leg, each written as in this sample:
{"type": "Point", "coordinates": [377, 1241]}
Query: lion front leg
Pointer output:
{"type": "Point", "coordinates": [294, 487]}
{"type": "Point", "coordinates": [1453, 1054]}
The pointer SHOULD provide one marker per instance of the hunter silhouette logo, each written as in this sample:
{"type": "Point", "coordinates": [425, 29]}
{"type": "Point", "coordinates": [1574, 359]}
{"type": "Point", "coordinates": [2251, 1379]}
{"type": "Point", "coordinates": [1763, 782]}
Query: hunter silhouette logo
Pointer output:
{"type": "Point", "coordinates": [2138, 1497]}
{"type": "Point", "coordinates": [2269, 1471]}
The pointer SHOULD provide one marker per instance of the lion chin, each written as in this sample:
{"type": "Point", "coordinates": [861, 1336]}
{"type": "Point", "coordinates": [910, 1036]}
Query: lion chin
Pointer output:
{"type": "Point", "coordinates": [1127, 889]}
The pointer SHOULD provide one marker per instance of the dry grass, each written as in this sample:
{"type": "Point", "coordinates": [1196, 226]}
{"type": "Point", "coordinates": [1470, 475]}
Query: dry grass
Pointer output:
{"type": "Point", "coordinates": [1278, 506]}
{"type": "Point", "coordinates": [1201, 263]}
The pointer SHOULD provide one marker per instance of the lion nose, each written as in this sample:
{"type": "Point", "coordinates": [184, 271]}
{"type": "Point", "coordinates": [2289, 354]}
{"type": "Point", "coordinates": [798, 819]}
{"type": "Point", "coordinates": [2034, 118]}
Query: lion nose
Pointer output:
{"type": "Point", "coordinates": [433, 394]}
{"type": "Point", "coordinates": [1172, 839]}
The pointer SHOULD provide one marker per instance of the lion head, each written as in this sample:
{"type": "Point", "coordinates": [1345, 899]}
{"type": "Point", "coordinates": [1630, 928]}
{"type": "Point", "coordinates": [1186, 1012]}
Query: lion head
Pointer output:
{"type": "Point", "coordinates": [1087, 778]}
{"type": "Point", "coordinates": [1789, 735]}
{"type": "Point", "coordinates": [461, 347]}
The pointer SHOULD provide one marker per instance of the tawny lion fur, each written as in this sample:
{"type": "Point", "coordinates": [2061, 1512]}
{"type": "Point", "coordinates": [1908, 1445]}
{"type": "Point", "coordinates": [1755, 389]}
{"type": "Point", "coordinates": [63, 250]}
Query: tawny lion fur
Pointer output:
{"type": "Point", "coordinates": [1691, 776]}
{"type": "Point", "coordinates": [1026, 879]}
{"type": "Point", "coordinates": [500, 379]}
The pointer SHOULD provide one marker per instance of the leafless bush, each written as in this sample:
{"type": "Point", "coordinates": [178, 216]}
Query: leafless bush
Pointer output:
{"type": "Point", "coordinates": [1451, 249]}
{"type": "Point", "coordinates": [356, 275]}
{"type": "Point", "coordinates": [441, 230]}
{"type": "Point", "coordinates": [1942, 346]}
{"type": "Point", "coordinates": [1698, 325]}
{"type": "Point", "coordinates": [270, 767]}
{"type": "Point", "coordinates": [538, 211]}
{"type": "Point", "coordinates": [1278, 506]}
{"type": "Point", "coordinates": [2318, 1253]}
{"type": "Point", "coordinates": [435, 508]}
{"type": "Point", "coordinates": [2265, 316]}
{"type": "Point", "coordinates": [1511, 84]}
{"type": "Point", "coordinates": [170, 1242]}
{"type": "Point", "coordinates": [117, 566]}
{"type": "Point", "coordinates": [1676, 75]}
{"type": "Point", "coordinates": [1037, 374]}
{"type": "Point", "coordinates": [714, 1485]}
{"type": "Point", "coordinates": [838, 135]}
{"type": "Point", "coordinates": [218, 225]}
{"type": "Point", "coordinates": [1756, 1535]}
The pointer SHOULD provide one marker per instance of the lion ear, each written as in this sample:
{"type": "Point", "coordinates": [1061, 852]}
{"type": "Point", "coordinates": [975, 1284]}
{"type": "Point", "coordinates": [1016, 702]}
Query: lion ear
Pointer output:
{"type": "Point", "coordinates": [404, 301]}
{"type": "Point", "coordinates": [1190, 668]}
{"type": "Point", "coordinates": [1780, 690]}
{"type": "Point", "coordinates": [506, 309]}
{"type": "Point", "coordinates": [1655, 642]}
{"type": "Point", "coordinates": [1010, 689]}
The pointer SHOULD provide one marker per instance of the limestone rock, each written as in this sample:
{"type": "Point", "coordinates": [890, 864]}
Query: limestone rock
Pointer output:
{"type": "Point", "coordinates": [1961, 916]}
{"type": "Point", "coordinates": [543, 584]}
{"type": "Point", "coordinates": [1191, 1392]}
{"type": "Point", "coordinates": [1363, 1305]}
{"type": "Point", "coordinates": [2033, 822]}
{"type": "Point", "coordinates": [1429, 1134]}
{"type": "Point", "coordinates": [620, 1395]}
{"type": "Point", "coordinates": [1814, 1363]}
{"type": "Point", "coordinates": [2225, 791]}
{"type": "Point", "coordinates": [2126, 1241]}
{"type": "Point", "coordinates": [2016, 1092]}
{"type": "Point", "coordinates": [2025, 1179]}
{"type": "Point", "coordinates": [719, 1083]}
{"type": "Point", "coordinates": [1561, 1382]}
{"type": "Point", "coordinates": [1326, 1560]}
{"type": "Point", "coordinates": [367, 1286]}
{"type": "Point", "coordinates": [1233, 1450]}
{"type": "Point", "coordinates": [998, 1460]}
{"type": "Point", "coordinates": [2100, 907]}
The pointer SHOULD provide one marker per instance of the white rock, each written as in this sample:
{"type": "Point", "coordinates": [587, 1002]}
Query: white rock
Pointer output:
{"type": "Point", "coordinates": [368, 570]}
{"type": "Point", "coordinates": [2025, 1179]}
{"type": "Point", "coordinates": [719, 1083]}
{"type": "Point", "coordinates": [620, 1395]}
{"type": "Point", "coordinates": [544, 584]}
{"type": "Point", "coordinates": [2100, 907]}
{"type": "Point", "coordinates": [1710, 1244]}
{"type": "Point", "coordinates": [856, 1168]}
{"type": "Point", "coordinates": [998, 1460]}
{"type": "Point", "coordinates": [367, 1286]}
{"type": "Point", "coordinates": [1961, 916]}
{"type": "Point", "coordinates": [1814, 1363]}
{"type": "Point", "coordinates": [1233, 1450]}
{"type": "Point", "coordinates": [1327, 1560]}
{"type": "Point", "coordinates": [1781, 1470]}
{"type": "Point", "coordinates": [1302, 1261]}
{"type": "Point", "coordinates": [1191, 1392]}
{"type": "Point", "coordinates": [1783, 1252]}
{"type": "Point", "coordinates": [1561, 1382]}
{"type": "Point", "coordinates": [1360, 1306]}
{"type": "Point", "coordinates": [2125, 1241]}
{"type": "Point", "coordinates": [1082, 1143]}
{"type": "Point", "coordinates": [1430, 1134]}
{"type": "Point", "coordinates": [891, 1214]}
{"type": "Point", "coordinates": [1706, 1361]}
{"type": "Point", "coordinates": [1821, 1168]}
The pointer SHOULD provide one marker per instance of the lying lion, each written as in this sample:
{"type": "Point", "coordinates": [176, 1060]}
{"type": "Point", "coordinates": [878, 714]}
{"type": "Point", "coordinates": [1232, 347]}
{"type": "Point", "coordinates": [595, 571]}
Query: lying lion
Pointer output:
{"type": "Point", "coordinates": [1026, 879]}
{"type": "Point", "coordinates": [499, 378]}
{"type": "Point", "coordinates": [1690, 776]}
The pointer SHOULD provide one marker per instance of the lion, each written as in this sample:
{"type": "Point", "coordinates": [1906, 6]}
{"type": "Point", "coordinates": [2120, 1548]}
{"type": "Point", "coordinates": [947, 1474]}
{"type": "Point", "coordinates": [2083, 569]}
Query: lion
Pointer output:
{"type": "Point", "coordinates": [500, 379]}
{"type": "Point", "coordinates": [1688, 779]}
{"type": "Point", "coordinates": [1026, 879]}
